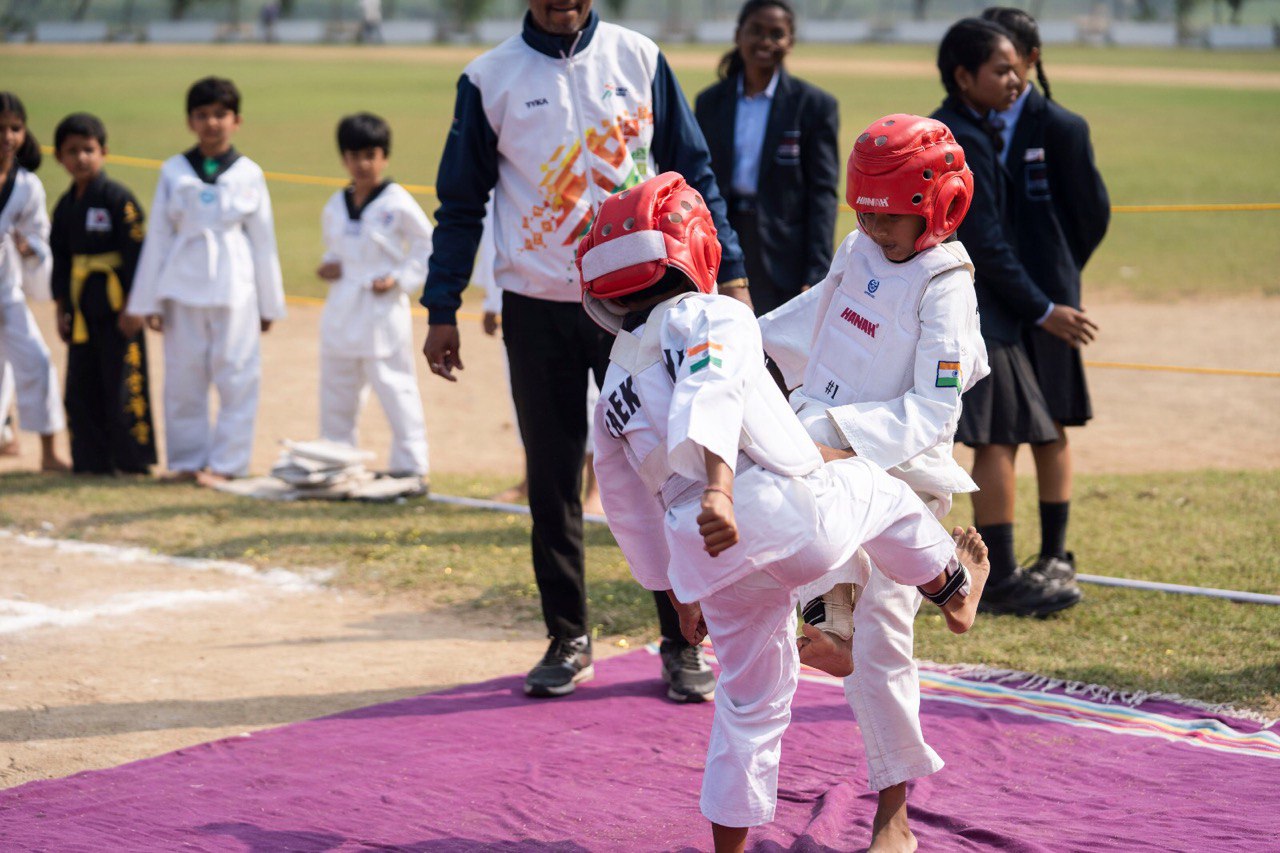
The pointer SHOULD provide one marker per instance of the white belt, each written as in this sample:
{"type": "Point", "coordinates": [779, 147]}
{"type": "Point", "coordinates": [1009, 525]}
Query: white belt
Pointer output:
{"type": "Point", "coordinates": [679, 490]}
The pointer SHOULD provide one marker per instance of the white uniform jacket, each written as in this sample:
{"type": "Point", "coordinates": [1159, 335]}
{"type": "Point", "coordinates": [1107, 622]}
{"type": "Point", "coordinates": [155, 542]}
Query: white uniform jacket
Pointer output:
{"type": "Point", "coordinates": [697, 380]}
{"type": "Point", "coordinates": [888, 349]}
{"type": "Point", "coordinates": [389, 236]}
{"type": "Point", "coordinates": [210, 245]}
{"type": "Point", "coordinates": [24, 213]}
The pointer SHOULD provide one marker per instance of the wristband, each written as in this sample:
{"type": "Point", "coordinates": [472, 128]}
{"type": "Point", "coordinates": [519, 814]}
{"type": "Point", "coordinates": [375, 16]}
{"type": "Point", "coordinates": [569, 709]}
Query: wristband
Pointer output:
{"type": "Point", "coordinates": [732, 284]}
{"type": "Point", "coordinates": [720, 490]}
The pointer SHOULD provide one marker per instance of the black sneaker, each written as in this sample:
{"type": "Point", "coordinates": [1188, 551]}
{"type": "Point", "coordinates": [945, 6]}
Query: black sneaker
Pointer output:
{"type": "Point", "coordinates": [1026, 594]}
{"type": "Point", "coordinates": [685, 670]}
{"type": "Point", "coordinates": [1055, 568]}
{"type": "Point", "coordinates": [567, 662]}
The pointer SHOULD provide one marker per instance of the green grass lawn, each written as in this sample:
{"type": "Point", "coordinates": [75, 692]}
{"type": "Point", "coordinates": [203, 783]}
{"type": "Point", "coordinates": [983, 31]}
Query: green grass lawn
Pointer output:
{"type": "Point", "coordinates": [1155, 143]}
{"type": "Point", "coordinates": [1206, 529]}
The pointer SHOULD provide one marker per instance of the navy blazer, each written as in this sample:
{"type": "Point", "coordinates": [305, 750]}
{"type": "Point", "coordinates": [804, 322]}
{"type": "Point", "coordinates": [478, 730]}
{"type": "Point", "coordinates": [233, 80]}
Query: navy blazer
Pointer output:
{"type": "Point", "coordinates": [1008, 298]}
{"type": "Point", "coordinates": [799, 172]}
{"type": "Point", "coordinates": [1060, 204]}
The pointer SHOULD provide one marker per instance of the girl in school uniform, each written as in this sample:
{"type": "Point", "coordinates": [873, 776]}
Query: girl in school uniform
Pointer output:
{"type": "Point", "coordinates": [980, 68]}
{"type": "Point", "coordinates": [1061, 212]}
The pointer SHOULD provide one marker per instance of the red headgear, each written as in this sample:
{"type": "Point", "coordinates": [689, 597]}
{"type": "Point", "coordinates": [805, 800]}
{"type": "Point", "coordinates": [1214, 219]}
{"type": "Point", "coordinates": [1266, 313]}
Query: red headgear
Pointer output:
{"type": "Point", "coordinates": [639, 233]}
{"type": "Point", "coordinates": [908, 164]}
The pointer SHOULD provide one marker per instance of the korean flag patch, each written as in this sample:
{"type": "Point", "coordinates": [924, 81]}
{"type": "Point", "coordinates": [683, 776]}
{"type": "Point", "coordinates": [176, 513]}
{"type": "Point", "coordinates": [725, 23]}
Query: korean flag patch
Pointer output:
{"type": "Point", "coordinates": [948, 374]}
{"type": "Point", "coordinates": [97, 219]}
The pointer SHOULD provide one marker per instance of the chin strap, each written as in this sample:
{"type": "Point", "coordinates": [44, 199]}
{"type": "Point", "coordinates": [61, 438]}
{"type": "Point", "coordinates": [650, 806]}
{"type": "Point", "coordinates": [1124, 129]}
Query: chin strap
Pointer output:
{"type": "Point", "coordinates": [957, 581]}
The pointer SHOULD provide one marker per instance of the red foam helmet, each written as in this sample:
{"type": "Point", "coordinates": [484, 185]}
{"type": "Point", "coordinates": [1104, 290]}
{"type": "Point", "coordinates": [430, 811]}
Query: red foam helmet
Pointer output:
{"type": "Point", "coordinates": [637, 235]}
{"type": "Point", "coordinates": [909, 164]}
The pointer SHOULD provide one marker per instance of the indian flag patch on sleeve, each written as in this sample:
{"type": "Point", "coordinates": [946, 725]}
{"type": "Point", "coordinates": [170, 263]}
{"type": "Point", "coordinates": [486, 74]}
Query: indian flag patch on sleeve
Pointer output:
{"type": "Point", "coordinates": [704, 354]}
{"type": "Point", "coordinates": [948, 374]}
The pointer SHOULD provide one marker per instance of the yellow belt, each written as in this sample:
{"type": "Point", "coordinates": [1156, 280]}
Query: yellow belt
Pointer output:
{"type": "Point", "coordinates": [83, 266]}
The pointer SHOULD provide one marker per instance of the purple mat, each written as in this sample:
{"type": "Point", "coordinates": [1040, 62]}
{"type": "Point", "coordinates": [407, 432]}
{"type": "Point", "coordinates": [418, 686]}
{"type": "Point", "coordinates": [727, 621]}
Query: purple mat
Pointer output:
{"type": "Point", "coordinates": [616, 767]}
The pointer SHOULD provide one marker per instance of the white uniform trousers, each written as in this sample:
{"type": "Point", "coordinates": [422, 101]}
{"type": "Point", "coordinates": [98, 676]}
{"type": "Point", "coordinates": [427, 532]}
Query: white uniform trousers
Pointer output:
{"type": "Point", "coordinates": [344, 383]}
{"type": "Point", "coordinates": [35, 379]}
{"type": "Point", "coordinates": [218, 346]}
{"type": "Point", "coordinates": [884, 690]}
{"type": "Point", "coordinates": [752, 626]}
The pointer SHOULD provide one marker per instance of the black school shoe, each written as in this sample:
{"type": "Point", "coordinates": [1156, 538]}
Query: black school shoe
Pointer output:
{"type": "Point", "coordinates": [567, 662]}
{"type": "Point", "coordinates": [1027, 594]}
{"type": "Point", "coordinates": [685, 670]}
{"type": "Point", "coordinates": [1055, 568]}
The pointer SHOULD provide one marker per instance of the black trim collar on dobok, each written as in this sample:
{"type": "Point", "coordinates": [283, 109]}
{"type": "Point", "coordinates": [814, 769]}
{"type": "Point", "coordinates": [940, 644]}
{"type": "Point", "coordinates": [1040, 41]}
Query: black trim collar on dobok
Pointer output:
{"type": "Point", "coordinates": [355, 211]}
{"type": "Point", "coordinates": [6, 191]}
{"type": "Point", "coordinates": [209, 169]}
{"type": "Point", "coordinates": [555, 46]}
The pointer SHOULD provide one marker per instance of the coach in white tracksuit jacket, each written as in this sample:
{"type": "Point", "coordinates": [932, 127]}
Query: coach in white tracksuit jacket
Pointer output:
{"type": "Point", "coordinates": [209, 267]}
{"type": "Point", "coordinates": [552, 125]}
{"type": "Point", "coordinates": [881, 352]}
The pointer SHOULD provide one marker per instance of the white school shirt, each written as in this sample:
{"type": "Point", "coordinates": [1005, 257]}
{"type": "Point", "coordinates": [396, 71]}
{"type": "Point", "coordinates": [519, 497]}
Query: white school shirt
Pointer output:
{"type": "Point", "coordinates": [209, 245]}
{"type": "Point", "coordinates": [25, 213]}
{"type": "Point", "coordinates": [391, 236]}
{"type": "Point", "coordinates": [888, 348]}
{"type": "Point", "coordinates": [707, 388]}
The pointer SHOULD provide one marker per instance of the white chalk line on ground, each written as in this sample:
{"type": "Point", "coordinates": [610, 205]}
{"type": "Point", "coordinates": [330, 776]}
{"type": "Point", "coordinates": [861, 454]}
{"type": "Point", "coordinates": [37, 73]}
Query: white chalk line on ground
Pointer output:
{"type": "Point", "coordinates": [16, 616]}
{"type": "Point", "coordinates": [1101, 580]}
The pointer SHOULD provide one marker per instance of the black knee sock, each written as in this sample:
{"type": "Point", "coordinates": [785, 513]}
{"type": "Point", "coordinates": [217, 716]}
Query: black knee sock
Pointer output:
{"type": "Point", "coordinates": [999, 540]}
{"type": "Point", "coordinates": [1053, 528]}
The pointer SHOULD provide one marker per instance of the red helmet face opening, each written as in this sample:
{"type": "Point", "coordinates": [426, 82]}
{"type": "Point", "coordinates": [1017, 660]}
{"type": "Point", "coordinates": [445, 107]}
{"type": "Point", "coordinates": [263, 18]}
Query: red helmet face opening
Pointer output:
{"type": "Point", "coordinates": [641, 232]}
{"type": "Point", "coordinates": [907, 164]}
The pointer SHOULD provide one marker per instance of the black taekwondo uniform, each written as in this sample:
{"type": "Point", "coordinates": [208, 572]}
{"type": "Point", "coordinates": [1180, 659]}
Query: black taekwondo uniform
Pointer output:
{"type": "Point", "coordinates": [95, 242]}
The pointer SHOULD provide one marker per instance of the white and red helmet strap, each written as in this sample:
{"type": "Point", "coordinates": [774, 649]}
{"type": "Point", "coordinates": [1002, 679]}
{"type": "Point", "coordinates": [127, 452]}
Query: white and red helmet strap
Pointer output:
{"type": "Point", "coordinates": [628, 250]}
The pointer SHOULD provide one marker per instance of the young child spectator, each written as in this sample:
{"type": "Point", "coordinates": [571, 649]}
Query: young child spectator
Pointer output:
{"type": "Point", "coordinates": [879, 353]}
{"type": "Point", "coordinates": [378, 241]}
{"type": "Point", "coordinates": [24, 271]}
{"type": "Point", "coordinates": [96, 239]}
{"type": "Point", "coordinates": [980, 72]}
{"type": "Point", "coordinates": [716, 493]}
{"type": "Point", "coordinates": [1061, 212]}
{"type": "Point", "coordinates": [209, 278]}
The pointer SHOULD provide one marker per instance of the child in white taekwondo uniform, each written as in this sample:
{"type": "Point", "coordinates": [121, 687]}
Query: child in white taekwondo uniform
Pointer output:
{"type": "Point", "coordinates": [209, 278]}
{"type": "Point", "coordinates": [378, 241]}
{"type": "Point", "coordinates": [715, 492]}
{"type": "Point", "coordinates": [25, 265]}
{"type": "Point", "coordinates": [881, 350]}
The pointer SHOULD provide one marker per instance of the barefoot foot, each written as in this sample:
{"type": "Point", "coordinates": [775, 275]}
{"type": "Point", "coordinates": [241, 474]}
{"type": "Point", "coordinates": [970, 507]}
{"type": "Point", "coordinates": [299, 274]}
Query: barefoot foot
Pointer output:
{"type": "Point", "coordinates": [212, 479]}
{"type": "Point", "coordinates": [827, 652]}
{"type": "Point", "coordinates": [971, 551]}
{"type": "Point", "coordinates": [515, 494]}
{"type": "Point", "coordinates": [179, 476]}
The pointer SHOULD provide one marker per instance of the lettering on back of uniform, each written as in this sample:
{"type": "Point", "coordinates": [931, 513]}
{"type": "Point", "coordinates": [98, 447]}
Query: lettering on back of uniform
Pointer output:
{"type": "Point", "coordinates": [623, 402]}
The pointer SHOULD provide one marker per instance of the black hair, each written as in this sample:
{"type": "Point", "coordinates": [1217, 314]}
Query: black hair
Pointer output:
{"type": "Point", "coordinates": [672, 282]}
{"type": "Point", "coordinates": [364, 130]}
{"type": "Point", "coordinates": [731, 63]}
{"type": "Point", "coordinates": [969, 44]}
{"type": "Point", "coordinates": [213, 90]}
{"type": "Point", "coordinates": [79, 124]}
{"type": "Point", "coordinates": [28, 154]}
{"type": "Point", "coordinates": [1025, 33]}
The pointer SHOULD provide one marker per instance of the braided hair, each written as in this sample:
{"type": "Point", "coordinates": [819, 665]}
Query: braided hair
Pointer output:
{"type": "Point", "coordinates": [1025, 34]}
{"type": "Point", "coordinates": [28, 154]}
{"type": "Point", "coordinates": [731, 63]}
{"type": "Point", "coordinates": [969, 44]}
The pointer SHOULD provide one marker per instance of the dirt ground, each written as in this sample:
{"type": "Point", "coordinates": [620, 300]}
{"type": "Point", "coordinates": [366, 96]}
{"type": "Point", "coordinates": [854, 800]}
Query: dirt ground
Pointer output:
{"type": "Point", "coordinates": [105, 660]}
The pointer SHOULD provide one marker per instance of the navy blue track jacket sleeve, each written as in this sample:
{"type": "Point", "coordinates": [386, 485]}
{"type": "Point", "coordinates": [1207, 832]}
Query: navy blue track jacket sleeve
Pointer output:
{"type": "Point", "coordinates": [679, 146]}
{"type": "Point", "coordinates": [468, 173]}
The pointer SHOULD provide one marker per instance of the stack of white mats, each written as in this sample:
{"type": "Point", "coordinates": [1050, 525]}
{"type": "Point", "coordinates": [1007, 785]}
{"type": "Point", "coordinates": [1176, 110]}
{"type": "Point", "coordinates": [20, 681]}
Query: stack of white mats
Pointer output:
{"type": "Point", "coordinates": [324, 470]}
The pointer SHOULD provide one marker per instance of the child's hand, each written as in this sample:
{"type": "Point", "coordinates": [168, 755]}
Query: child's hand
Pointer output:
{"type": "Point", "coordinates": [63, 319]}
{"type": "Point", "coordinates": [490, 323]}
{"type": "Point", "coordinates": [692, 626]}
{"type": "Point", "coordinates": [382, 285]}
{"type": "Point", "coordinates": [155, 322]}
{"type": "Point", "coordinates": [831, 454]}
{"type": "Point", "coordinates": [20, 243]}
{"type": "Point", "coordinates": [716, 523]}
{"type": "Point", "coordinates": [330, 270]}
{"type": "Point", "coordinates": [264, 325]}
{"type": "Point", "coordinates": [1070, 325]}
{"type": "Point", "coordinates": [130, 325]}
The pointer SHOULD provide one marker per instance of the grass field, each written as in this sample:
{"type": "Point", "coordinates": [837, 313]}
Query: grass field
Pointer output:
{"type": "Point", "coordinates": [1183, 142]}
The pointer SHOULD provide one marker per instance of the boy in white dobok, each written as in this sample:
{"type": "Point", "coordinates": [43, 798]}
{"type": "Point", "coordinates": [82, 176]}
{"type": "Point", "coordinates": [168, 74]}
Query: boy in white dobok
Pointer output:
{"type": "Point", "coordinates": [879, 353]}
{"type": "Point", "coordinates": [378, 241]}
{"type": "Point", "coordinates": [209, 278]}
{"type": "Point", "coordinates": [716, 494]}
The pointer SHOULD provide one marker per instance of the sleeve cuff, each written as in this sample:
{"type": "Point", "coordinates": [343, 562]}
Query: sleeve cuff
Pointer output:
{"type": "Point", "coordinates": [437, 316]}
{"type": "Point", "coordinates": [730, 270]}
{"type": "Point", "coordinates": [1045, 315]}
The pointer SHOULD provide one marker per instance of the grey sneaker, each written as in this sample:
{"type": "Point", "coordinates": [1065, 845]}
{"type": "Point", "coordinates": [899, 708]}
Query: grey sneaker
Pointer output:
{"type": "Point", "coordinates": [566, 663]}
{"type": "Point", "coordinates": [685, 670]}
